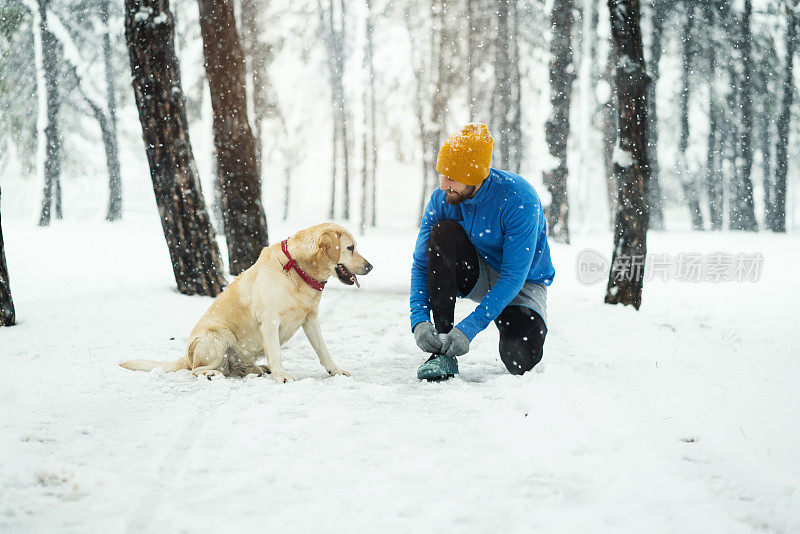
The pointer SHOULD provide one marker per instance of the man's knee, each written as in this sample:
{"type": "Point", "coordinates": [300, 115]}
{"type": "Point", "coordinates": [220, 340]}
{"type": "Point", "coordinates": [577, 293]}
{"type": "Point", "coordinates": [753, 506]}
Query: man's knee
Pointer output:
{"type": "Point", "coordinates": [520, 356]}
{"type": "Point", "coordinates": [443, 233]}
{"type": "Point", "coordinates": [522, 334]}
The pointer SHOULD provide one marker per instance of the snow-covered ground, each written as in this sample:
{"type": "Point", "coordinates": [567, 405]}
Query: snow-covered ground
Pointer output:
{"type": "Point", "coordinates": [682, 417]}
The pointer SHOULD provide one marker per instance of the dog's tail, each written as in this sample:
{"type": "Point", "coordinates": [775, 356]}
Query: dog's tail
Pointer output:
{"type": "Point", "coordinates": [149, 365]}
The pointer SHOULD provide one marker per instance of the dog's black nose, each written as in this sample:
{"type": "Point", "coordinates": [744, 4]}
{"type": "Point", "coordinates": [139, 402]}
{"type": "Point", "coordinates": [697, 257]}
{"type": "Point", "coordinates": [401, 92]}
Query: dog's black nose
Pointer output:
{"type": "Point", "coordinates": [368, 268]}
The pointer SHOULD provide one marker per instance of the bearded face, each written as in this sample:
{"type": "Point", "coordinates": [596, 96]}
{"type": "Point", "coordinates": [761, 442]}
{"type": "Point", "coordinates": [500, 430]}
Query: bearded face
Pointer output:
{"type": "Point", "coordinates": [454, 197]}
{"type": "Point", "coordinates": [456, 192]}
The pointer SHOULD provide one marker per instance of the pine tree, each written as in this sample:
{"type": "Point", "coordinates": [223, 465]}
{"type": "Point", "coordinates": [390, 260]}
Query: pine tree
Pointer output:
{"type": "Point", "coordinates": [742, 208]}
{"type": "Point", "coordinates": [7, 317]}
{"type": "Point", "coordinates": [114, 211]}
{"type": "Point", "coordinates": [713, 171]}
{"type": "Point", "coordinates": [335, 44]}
{"type": "Point", "coordinates": [507, 87]}
{"type": "Point", "coordinates": [658, 12]}
{"type": "Point", "coordinates": [149, 32]}
{"type": "Point", "coordinates": [437, 74]}
{"type": "Point", "coordinates": [631, 165]}
{"type": "Point", "coordinates": [52, 51]}
{"type": "Point", "coordinates": [778, 222]}
{"type": "Point", "coordinates": [238, 176]}
{"type": "Point", "coordinates": [608, 121]}
{"type": "Point", "coordinates": [562, 74]}
{"type": "Point", "coordinates": [688, 181]}
{"type": "Point", "coordinates": [369, 148]}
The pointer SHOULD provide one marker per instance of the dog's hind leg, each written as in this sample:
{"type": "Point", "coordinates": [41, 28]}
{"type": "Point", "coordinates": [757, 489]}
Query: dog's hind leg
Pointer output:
{"type": "Point", "coordinates": [264, 367]}
{"type": "Point", "coordinates": [209, 355]}
{"type": "Point", "coordinates": [208, 373]}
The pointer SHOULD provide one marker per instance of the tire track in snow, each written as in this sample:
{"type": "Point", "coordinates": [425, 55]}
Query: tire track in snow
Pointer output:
{"type": "Point", "coordinates": [146, 512]}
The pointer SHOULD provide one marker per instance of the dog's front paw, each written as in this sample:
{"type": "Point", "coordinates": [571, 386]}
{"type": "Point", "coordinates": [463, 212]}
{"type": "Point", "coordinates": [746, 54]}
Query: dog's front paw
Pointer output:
{"type": "Point", "coordinates": [282, 377]}
{"type": "Point", "coordinates": [337, 371]}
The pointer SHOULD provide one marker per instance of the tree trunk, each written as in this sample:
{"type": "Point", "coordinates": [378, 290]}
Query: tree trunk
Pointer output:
{"type": "Point", "coordinates": [426, 160]}
{"type": "Point", "coordinates": [334, 40]}
{"type": "Point", "coordinates": [109, 144]}
{"type": "Point", "coordinates": [257, 55]}
{"type": "Point", "coordinates": [743, 216]}
{"type": "Point", "coordinates": [562, 74]}
{"type": "Point", "coordinates": [114, 212]}
{"type": "Point", "coordinates": [587, 105]}
{"type": "Point", "coordinates": [654, 198]}
{"type": "Point", "coordinates": [334, 161]}
{"type": "Point", "coordinates": [631, 165]}
{"type": "Point", "coordinates": [287, 176]}
{"type": "Point", "coordinates": [784, 121]}
{"type": "Point", "coordinates": [369, 149]}
{"type": "Point", "coordinates": [428, 164]}
{"type": "Point", "coordinates": [437, 129]}
{"type": "Point", "coordinates": [502, 77]}
{"type": "Point", "coordinates": [431, 87]}
{"type": "Point", "coordinates": [149, 32]}
{"type": "Point", "coordinates": [419, 110]}
{"type": "Point", "coordinates": [7, 317]}
{"type": "Point", "coordinates": [372, 133]}
{"type": "Point", "coordinates": [433, 130]}
{"type": "Point", "coordinates": [766, 168]}
{"type": "Point", "coordinates": [713, 157]}
{"type": "Point", "coordinates": [51, 52]}
{"type": "Point", "coordinates": [345, 117]}
{"type": "Point", "coordinates": [365, 137]}
{"type": "Point", "coordinates": [515, 122]}
{"type": "Point", "coordinates": [730, 139]}
{"type": "Point", "coordinates": [687, 178]}
{"type": "Point", "coordinates": [364, 174]}
{"type": "Point", "coordinates": [345, 160]}
{"type": "Point", "coordinates": [608, 112]}
{"type": "Point", "coordinates": [237, 164]}
{"type": "Point", "coordinates": [57, 200]}
{"type": "Point", "coordinates": [471, 56]}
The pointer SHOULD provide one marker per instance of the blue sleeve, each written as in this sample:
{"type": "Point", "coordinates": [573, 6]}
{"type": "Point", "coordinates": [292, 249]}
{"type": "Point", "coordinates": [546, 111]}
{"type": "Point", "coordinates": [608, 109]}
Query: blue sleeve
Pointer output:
{"type": "Point", "coordinates": [520, 228]}
{"type": "Point", "coordinates": [420, 298]}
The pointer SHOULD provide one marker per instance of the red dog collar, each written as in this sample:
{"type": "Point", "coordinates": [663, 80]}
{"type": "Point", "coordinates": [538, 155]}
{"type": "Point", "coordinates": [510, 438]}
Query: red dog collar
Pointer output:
{"type": "Point", "coordinates": [319, 286]}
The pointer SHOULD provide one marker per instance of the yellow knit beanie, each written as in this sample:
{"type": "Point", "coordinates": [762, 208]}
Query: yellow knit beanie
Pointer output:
{"type": "Point", "coordinates": [466, 155]}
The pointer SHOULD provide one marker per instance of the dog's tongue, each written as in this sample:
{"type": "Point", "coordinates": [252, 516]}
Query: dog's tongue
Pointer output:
{"type": "Point", "coordinates": [355, 281]}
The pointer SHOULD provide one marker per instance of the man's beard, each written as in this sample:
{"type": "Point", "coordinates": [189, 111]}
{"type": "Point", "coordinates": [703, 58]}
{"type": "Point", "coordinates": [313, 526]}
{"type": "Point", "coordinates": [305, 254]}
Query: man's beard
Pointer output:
{"type": "Point", "coordinates": [457, 198]}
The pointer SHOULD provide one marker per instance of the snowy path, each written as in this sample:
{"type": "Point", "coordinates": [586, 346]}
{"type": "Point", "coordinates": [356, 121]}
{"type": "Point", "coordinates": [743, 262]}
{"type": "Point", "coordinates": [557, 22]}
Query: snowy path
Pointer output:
{"type": "Point", "coordinates": [680, 418]}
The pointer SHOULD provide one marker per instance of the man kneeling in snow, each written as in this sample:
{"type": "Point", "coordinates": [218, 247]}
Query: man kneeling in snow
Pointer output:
{"type": "Point", "coordinates": [483, 237]}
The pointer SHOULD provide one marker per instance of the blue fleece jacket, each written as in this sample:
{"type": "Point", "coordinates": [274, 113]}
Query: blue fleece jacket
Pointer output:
{"type": "Point", "coordinates": [506, 223]}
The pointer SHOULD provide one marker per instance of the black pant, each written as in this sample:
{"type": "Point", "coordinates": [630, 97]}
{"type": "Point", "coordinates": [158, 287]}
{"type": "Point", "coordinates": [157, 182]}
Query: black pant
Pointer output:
{"type": "Point", "coordinates": [453, 270]}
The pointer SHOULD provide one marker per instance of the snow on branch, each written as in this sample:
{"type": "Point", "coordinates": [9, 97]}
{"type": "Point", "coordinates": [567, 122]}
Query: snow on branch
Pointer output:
{"type": "Point", "coordinates": [145, 12]}
{"type": "Point", "coordinates": [627, 65]}
{"type": "Point", "coordinates": [622, 157]}
{"type": "Point", "coordinates": [73, 58]}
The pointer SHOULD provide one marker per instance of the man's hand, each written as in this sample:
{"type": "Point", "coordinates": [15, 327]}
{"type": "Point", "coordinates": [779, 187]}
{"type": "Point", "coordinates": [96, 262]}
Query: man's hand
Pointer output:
{"type": "Point", "coordinates": [426, 338]}
{"type": "Point", "coordinates": [455, 343]}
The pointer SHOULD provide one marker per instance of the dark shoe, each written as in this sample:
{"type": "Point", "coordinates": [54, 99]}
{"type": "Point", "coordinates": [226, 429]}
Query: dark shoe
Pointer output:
{"type": "Point", "coordinates": [438, 367]}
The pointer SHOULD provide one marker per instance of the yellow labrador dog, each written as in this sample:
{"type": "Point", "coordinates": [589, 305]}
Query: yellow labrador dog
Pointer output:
{"type": "Point", "coordinates": [265, 305]}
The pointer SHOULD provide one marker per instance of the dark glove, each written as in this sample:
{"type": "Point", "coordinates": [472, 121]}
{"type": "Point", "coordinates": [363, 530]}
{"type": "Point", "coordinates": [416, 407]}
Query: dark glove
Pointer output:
{"type": "Point", "coordinates": [426, 338]}
{"type": "Point", "coordinates": [456, 343]}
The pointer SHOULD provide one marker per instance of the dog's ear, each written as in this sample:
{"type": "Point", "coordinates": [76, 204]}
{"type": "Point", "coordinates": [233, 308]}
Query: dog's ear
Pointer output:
{"type": "Point", "coordinates": [328, 245]}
